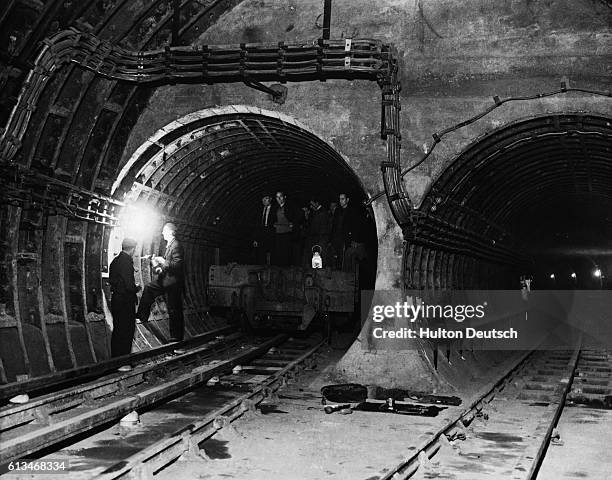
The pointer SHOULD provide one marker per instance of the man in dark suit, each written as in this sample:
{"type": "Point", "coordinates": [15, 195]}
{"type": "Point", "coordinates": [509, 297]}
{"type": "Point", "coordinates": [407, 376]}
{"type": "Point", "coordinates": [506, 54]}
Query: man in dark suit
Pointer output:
{"type": "Point", "coordinates": [285, 219]}
{"type": "Point", "coordinates": [348, 234]}
{"type": "Point", "coordinates": [123, 300]}
{"type": "Point", "coordinates": [354, 227]}
{"type": "Point", "coordinates": [337, 235]}
{"type": "Point", "coordinates": [170, 281]}
{"type": "Point", "coordinates": [264, 232]}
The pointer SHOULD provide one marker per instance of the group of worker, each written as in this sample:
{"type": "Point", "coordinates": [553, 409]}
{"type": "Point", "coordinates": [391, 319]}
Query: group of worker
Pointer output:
{"type": "Point", "coordinates": [286, 235]}
{"type": "Point", "coordinates": [170, 280]}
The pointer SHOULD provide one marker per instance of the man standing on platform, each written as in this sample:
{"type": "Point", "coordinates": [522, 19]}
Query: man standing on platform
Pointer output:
{"type": "Point", "coordinates": [170, 281]}
{"type": "Point", "coordinates": [264, 239]}
{"type": "Point", "coordinates": [123, 300]}
{"type": "Point", "coordinates": [283, 223]}
{"type": "Point", "coordinates": [354, 226]}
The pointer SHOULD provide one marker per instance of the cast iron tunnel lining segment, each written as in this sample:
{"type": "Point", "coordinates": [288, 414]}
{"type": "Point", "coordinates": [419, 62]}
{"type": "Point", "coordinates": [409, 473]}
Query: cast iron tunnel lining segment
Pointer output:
{"type": "Point", "coordinates": [530, 166]}
{"type": "Point", "coordinates": [499, 158]}
{"type": "Point", "coordinates": [202, 177]}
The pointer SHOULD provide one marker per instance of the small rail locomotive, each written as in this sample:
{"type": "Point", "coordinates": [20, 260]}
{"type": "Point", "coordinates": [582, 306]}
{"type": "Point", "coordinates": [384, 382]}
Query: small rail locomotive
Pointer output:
{"type": "Point", "coordinates": [281, 298]}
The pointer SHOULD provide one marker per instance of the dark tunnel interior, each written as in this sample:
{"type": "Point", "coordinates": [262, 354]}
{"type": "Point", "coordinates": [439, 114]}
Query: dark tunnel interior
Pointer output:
{"type": "Point", "coordinates": [537, 196]}
{"type": "Point", "coordinates": [209, 175]}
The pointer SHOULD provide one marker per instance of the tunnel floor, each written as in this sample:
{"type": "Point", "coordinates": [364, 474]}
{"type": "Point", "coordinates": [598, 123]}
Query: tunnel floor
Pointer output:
{"type": "Point", "coordinates": [294, 438]}
{"type": "Point", "coordinates": [288, 437]}
{"type": "Point", "coordinates": [289, 434]}
{"type": "Point", "coordinates": [583, 432]}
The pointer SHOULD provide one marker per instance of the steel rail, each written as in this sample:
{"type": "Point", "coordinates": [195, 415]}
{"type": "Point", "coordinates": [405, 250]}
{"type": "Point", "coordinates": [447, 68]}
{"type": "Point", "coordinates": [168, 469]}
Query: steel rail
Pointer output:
{"type": "Point", "coordinates": [567, 385]}
{"type": "Point", "coordinates": [56, 380]}
{"type": "Point", "coordinates": [143, 464]}
{"type": "Point", "coordinates": [118, 406]}
{"type": "Point", "coordinates": [40, 409]}
{"type": "Point", "coordinates": [430, 447]}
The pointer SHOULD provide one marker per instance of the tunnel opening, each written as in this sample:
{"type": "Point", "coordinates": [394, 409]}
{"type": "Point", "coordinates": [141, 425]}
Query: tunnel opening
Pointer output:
{"type": "Point", "coordinates": [531, 198]}
{"type": "Point", "coordinates": [535, 190]}
{"type": "Point", "coordinates": [207, 172]}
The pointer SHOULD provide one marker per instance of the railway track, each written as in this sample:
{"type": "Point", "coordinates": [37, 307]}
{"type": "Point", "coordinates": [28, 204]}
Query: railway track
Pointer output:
{"type": "Point", "coordinates": [55, 417]}
{"type": "Point", "coordinates": [51, 383]}
{"type": "Point", "coordinates": [56, 424]}
{"type": "Point", "coordinates": [507, 430]}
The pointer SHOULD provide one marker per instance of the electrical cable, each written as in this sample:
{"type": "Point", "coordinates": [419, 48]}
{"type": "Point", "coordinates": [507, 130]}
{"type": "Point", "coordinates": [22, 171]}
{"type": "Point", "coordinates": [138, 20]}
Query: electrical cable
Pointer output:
{"type": "Point", "coordinates": [498, 103]}
{"type": "Point", "coordinates": [437, 136]}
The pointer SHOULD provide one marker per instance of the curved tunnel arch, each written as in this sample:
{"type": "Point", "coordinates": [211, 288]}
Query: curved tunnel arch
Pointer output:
{"type": "Point", "coordinates": [507, 188]}
{"type": "Point", "coordinates": [208, 170]}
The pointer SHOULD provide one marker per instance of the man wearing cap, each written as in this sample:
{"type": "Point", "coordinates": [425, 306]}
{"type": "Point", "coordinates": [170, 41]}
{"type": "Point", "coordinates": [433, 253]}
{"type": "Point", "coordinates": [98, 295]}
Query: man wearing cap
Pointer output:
{"type": "Point", "coordinates": [123, 299]}
{"type": "Point", "coordinates": [170, 281]}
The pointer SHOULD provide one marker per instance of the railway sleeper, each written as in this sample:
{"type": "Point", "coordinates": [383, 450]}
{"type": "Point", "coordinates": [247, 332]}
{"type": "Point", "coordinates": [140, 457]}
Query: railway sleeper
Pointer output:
{"type": "Point", "coordinates": [604, 365]}
{"type": "Point", "coordinates": [540, 386]}
{"type": "Point", "coordinates": [590, 381]}
{"type": "Point", "coordinates": [587, 374]}
{"type": "Point", "coordinates": [537, 395]}
{"type": "Point", "coordinates": [594, 390]}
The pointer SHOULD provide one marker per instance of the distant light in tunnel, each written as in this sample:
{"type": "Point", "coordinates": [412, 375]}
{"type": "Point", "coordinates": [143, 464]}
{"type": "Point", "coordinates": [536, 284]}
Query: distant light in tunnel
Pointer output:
{"type": "Point", "coordinates": [552, 276]}
{"type": "Point", "coordinates": [597, 273]}
{"type": "Point", "coordinates": [139, 221]}
{"type": "Point", "coordinates": [573, 275]}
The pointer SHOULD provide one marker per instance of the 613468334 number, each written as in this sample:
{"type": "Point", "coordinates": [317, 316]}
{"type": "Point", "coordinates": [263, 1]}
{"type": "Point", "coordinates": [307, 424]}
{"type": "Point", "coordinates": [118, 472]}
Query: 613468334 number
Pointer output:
{"type": "Point", "coordinates": [38, 466]}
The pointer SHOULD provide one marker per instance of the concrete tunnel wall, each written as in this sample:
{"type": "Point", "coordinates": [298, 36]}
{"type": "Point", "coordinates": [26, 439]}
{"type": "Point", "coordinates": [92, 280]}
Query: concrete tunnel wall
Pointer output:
{"type": "Point", "coordinates": [454, 57]}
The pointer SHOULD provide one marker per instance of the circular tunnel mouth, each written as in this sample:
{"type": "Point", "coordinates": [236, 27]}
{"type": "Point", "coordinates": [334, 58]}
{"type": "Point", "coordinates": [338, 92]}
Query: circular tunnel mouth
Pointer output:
{"type": "Point", "coordinates": [208, 172]}
{"type": "Point", "coordinates": [533, 193]}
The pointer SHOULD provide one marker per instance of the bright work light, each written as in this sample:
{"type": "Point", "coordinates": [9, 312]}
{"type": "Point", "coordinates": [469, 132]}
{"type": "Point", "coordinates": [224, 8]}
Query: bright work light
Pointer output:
{"type": "Point", "coordinates": [139, 221]}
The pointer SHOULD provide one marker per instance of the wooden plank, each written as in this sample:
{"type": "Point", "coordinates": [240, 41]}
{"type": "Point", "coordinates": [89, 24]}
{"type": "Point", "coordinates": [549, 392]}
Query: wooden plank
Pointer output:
{"type": "Point", "coordinates": [267, 362]}
{"type": "Point", "coordinates": [256, 370]}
